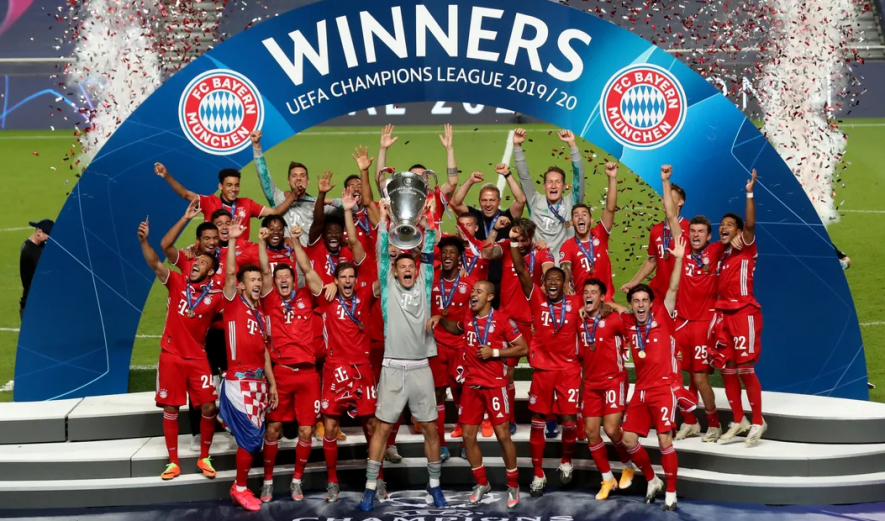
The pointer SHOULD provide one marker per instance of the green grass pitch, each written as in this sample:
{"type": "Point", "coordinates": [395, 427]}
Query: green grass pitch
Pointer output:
{"type": "Point", "coordinates": [38, 178]}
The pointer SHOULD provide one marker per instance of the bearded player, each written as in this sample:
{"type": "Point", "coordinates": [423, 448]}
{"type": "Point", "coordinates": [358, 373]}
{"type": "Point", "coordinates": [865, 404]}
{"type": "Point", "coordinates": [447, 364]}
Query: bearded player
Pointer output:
{"type": "Point", "coordinates": [491, 338]}
{"type": "Point", "coordinates": [183, 370]}
{"type": "Point", "coordinates": [556, 380]}
{"type": "Point", "coordinates": [292, 352]}
{"type": "Point", "coordinates": [601, 335]}
{"type": "Point", "coordinates": [249, 388]}
{"type": "Point", "coordinates": [738, 324]}
{"type": "Point", "coordinates": [586, 254]}
{"type": "Point", "coordinates": [650, 326]}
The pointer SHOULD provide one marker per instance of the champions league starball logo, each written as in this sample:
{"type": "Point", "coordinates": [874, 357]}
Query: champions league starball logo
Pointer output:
{"type": "Point", "coordinates": [218, 110]}
{"type": "Point", "coordinates": [643, 106]}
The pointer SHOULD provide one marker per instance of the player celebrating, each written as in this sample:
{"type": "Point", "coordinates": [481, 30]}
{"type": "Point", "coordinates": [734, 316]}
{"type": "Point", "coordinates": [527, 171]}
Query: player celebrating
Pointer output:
{"type": "Point", "coordinates": [489, 210]}
{"type": "Point", "coordinates": [604, 395]}
{"type": "Point", "coordinates": [183, 370]}
{"type": "Point", "coordinates": [650, 326]}
{"type": "Point", "coordinates": [551, 209]}
{"type": "Point", "coordinates": [739, 320]}
{"type": "Point", "coordinates": [586, 254]}
{"type": "Point", "coordinates": [491, 337]}
{"type": "Point", "coordinates": [556, 380]}
{"type": "Point", "coordinates": [229, 185]}
{"type": "Point", "coordinates": [278, 247]}
{"type": "Point", "coordinates": [406, 377]}
{"type": "Point", "coordinates": [449, 299]}
{"type": "Point", "coordinates": [293, 354]}
{"type": "Point", "coordinates": [249, 388]}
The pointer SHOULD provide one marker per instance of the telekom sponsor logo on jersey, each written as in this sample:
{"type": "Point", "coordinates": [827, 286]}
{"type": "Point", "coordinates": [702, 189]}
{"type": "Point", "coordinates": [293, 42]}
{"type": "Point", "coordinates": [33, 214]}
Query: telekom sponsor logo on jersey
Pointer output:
{"type": "Point", "coordinates": [643, 106]}
{"type": "Point", "coordinates": [218, 110]}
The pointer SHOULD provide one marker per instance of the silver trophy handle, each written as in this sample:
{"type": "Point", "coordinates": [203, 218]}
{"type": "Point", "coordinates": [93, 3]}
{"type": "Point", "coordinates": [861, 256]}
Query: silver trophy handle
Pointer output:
{"type": "Point", "coordinates": [431, 173]}
{"type": "Point", "coordinates": [381, 181]}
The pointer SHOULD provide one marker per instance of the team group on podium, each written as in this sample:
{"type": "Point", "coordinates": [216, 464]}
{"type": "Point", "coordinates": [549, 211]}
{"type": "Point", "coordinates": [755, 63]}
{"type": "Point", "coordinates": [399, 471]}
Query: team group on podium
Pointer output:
{"type": "Point", "coordinates": [324, 317]}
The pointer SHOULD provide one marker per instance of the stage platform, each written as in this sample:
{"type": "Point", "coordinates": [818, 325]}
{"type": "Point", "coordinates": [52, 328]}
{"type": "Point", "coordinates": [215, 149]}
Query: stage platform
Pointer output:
{"type": "Point", "coordinates": [109, 451]}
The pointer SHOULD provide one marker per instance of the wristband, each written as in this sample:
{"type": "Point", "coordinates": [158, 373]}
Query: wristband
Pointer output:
{"type": "Point", "coordinates": [507, 175]}
{"type": "Point", "coordinates": [514, 244]}
{"type": "Point", "coordinates": [496, 353]}
{"type": "Point", "coordinates": [749, 195]}
{"type": "Point", "coordinates": [451, 171]}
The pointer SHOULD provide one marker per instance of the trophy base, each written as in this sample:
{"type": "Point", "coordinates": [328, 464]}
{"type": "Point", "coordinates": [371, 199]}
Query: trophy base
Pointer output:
{"type": "Point", "coordinates": [406, 236]}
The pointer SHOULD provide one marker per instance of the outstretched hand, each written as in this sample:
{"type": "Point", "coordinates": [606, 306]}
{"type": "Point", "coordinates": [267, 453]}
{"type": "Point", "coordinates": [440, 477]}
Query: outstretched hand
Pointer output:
{"type": "Point", "coordinates": [160, 170]}
{"type": "Point", "coordinates": [387, 138]}
{"type": "Point", "coordinates": [324, 184]}
{"type": "Point", "coordinates": [193, 209]}
{"type": "Point", "coordinates": [237, 228]}
{"type": "Point", "coordinates": [361, 156]}
{"type": "Point", "coordinates": [519, 137]}
{"type": "Point", "coordinates": [447, 137]}
{"type": "Point", "coordinates": [752, 182]}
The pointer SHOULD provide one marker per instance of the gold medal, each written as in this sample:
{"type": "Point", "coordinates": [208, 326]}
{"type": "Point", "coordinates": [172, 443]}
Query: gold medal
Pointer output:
{"type": "Point", "coordinates": [642, 354]}
{"type": "Point", "coordinates": [445, 312]}
{"type": "Point", "coordinates": [593, 346]}
{"type": "Point", "coordinates": [568, 224]}
{"type": "Point", "coordinates": [190, 313]}
{"type": "Point", "coordinates": [361, 325]}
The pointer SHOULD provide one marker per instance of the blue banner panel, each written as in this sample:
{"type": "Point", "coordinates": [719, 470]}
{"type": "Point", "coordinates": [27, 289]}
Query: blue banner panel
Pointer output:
{"type": "Point", "coordinates": [328, 59]}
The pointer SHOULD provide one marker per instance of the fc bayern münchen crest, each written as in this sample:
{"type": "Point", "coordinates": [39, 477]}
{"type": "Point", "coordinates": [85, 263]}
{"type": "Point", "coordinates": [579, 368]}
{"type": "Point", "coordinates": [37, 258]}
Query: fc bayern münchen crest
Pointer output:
{"type": "Point", "coordinates": [218, 111]}
{"type": "Point", "coordinates": [643, 106]}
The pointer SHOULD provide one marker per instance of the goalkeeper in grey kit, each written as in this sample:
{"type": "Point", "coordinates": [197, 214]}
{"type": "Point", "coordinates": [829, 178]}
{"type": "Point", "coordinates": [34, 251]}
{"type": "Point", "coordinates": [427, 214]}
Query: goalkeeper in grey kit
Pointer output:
{"type": "Point", "coordinates": [406, 378]}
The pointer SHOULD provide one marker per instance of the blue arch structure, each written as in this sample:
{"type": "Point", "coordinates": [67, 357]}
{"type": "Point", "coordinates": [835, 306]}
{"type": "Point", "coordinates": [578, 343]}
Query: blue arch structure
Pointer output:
{"type": "Point", "coordinates": [92, 283]}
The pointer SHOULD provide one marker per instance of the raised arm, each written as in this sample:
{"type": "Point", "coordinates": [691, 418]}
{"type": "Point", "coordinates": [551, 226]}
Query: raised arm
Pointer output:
{"type": "Point", "coordinates": [264, 262]}
{"type": "Point", "coordinates": [387, 141]}
{"type": "Point", "coordinates": [750, 217]}
{"type": "Point", "coordinates": [382, 250]}
{"type": "Point", "coordinates": [525, 278]}
{"type": "Point", "coordinates": [281, 208]}
{"type": "Point", "coordinates": [670, 209]}
{"type": "Point", "coordinates": [447, 139]}
{"type": "Point", "coordinates": [491, 250]}
{"type": "Point", "coordinates": [519, 200]}
{"type": "Point", "coordinates": [182, 192]}
{"type": "Point", "coordinates": [367, 196]}
{"type": "Point", "coordinates": [167, 244]}
{"type": "Point", "coordinates": [324, 186]}
{"type": "Point", "coordinates": [230, 263]}
{"type": "Point", "coordinates": [522, 167]}
{"type": "Point", "coordinates": [427, 261]}
{"type": "Point", "coordinates": [273, 194]}
{"type": "Point", "coordinates": [678, 252]}
{"type": "Point", "coordinates": [649, 266]}
{"type": "Point", "coordinates": [568, 138]}
{"type": "Point", "coordinates": [311, 278]}
{"type": "Point", "coordinates": [611, 197]}
{"type": "Point", "coordinates": [150, 256]}
{"type": "Point", "coordinates": [359, 254]}
{"type": "Point", "coordinates": [457, 201]}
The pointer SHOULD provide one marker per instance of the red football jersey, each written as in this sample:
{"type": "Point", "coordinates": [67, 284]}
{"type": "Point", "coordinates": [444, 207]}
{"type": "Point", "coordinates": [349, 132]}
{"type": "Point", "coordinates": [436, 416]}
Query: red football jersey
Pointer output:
{"type": "Point", "coordinates": [512, 299]}
{"type": "Point", "coordinates": [736, 269]}
{"type": "Point", "coordinates": [242, 207]}
{"type": "Point", "coordinates": [324, 263]}
{"type": "Point", "coordinates": [283, 255]}
{"type": "Point", "coordinates": [554, 342]}
{"type": "Point", "coordinates": [599, 267]}
{"type": "Point", "coordinates": [247, 253]}
{"type": "Point", "coordinates": [659, 241]}
{"type": "Point", "coordinates": [603, 355]}
{"type": "Point", "coordinates": [458, 296]}
{"type": "Point", "coordinates": [182, 335]}
{"type": "Point", "coordinates": [658, 366]}
{"type": "Point", "coordinates": [346, 342]}
{"type": "Point", "coordinates": [502, 332]}
{"type": "Point", "coordinates": [698, 286]}
{"type": "Point", "coordinates": [476, 267]}
{"type": "Point", "coordinates": [291, 327]}
{"type": "Point", "coordinates": [248, 331]}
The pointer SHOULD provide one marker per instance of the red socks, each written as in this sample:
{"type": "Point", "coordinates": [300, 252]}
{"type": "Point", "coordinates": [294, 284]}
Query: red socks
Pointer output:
{"type": "Point", "coordinates": [330, 450]}
{"type": "Point", "coordinates": [170, 432]}
{"type": "Point", "coordinates": [511, 397]}
{"type": "Point", "coordinates": [671, 465]}
{"type": "Point", "coordinates": [536, 446]}
{"type": "Point", "coordinates": [270, 457]}
{"type": "Point", "coordinates": [302, 454]}
{"type": "Point", "coordinates": [441, 424]}
{"type": "Point", "coordinates": [569, 435]}
{"type": "Point", "coordinates": [244, 463]}
{"type": "Point", "coordinates": [600, 457]}
{"type": "Point", "coordinates": [733, 392]}
{"type": "Point", "coordinates": [623, 455]}
{"type": "Point", "coordinates": [512, 478]}
{"type": "Point", "coordinates": [754, 392]}
{"type": "Point", "coordinates": [207, 432]}
{"type": "Point", "coordinates": [712, 418]}
{"type": "Point", "coordinates": [689, 418]}
{"type": "Point", "coordinates": [480, 474]}
{"type": "Point", "coordinates": [640, 459]}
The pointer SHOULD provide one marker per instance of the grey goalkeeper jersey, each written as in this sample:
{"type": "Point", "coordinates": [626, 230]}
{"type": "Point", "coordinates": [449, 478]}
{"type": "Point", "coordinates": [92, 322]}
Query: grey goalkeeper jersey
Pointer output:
{"type": "Point", "coordinates": [406, 311]}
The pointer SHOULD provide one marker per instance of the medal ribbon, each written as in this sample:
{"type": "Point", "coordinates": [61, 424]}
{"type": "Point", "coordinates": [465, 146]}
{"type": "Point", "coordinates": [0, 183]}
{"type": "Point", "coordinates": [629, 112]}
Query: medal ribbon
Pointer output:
{"type": "Point", "coordinates": [288, 303]}
{"type": "Point", "coordinates": [550, 306]}
{"type": "Point", "coordinates": [722, 260]}
{"type": "Point", "coordinates": [333, 262]}
{"type": "Point", "coordinates": [642, 339]}
{"type": "Point", "coordinates": [483, 338]}
{"type": "Point", "coordinates": [362, 220]}
{"type": "Point", "coordinates": [699, 258]}
{"type": "Point", "coordinates": [189, 291]}
{"type": "Point", "coordinates": [491, 226]}
{"type": "Point", "coordinates": [233, 209]}
{"type": "Point", "coordinates": [555, 211]}
{"type": "Point", "coordinates": [587, 254]}
{"type": "Point", "coordinates": [447, 299]}
{"type": "Point", "coordinates": [350, 312]}
{"type": "Point", "coordinates": [468, 265]}
{"type": "Point", "coordinates": [258, 318]}
{"type": "Point", "coordinates": [591, 335]}
{"type": "Point", "coordinates": [531, 263]}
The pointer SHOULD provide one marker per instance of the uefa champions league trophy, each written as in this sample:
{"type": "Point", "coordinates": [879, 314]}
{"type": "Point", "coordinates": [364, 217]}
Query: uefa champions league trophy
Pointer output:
{"type": "Point", "coordinates": [407, 193]}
